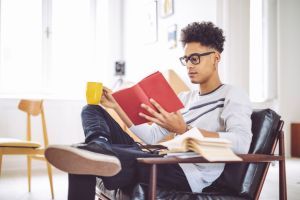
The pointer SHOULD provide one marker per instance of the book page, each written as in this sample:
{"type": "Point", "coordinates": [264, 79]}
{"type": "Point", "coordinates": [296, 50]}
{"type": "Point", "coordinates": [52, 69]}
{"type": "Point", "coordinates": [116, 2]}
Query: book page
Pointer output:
{"type": "Point", "coordinates": [213, 153]}
{"type": "Point", "coordinates": [178, 141]}
{"type": "Point", "coordinates": [212, 149]}
{"type": "Point", "coordinates": [188, 154]}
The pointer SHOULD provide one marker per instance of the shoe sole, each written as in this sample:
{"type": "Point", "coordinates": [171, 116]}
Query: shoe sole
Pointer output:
{"type": "Point", "coordinates": [79, 161]}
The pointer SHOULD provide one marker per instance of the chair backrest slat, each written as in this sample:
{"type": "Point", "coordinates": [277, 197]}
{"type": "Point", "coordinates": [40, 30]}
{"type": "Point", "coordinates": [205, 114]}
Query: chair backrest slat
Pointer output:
{"type": "Point", "coordinates": [32, 107]}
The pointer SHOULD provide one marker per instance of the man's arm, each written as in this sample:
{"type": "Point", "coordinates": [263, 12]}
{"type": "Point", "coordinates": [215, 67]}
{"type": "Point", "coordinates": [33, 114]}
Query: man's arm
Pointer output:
{"type": "Point", "coordinates": [148, 134]}
{"type": "Point", "coordinates": [108, 101]}
{"type": "Point", "coordinates": [173, 122]}
{"type": "Point", "coordinates": [211, 134]}
{"type": "Point", "coordinates": [237, 117]}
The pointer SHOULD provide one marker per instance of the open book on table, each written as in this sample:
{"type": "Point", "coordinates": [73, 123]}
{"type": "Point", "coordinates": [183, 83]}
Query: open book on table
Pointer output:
{"type": "Point", "coordinates": [212, 149]}
{"type": "Point", "coordinates": [154, 86]}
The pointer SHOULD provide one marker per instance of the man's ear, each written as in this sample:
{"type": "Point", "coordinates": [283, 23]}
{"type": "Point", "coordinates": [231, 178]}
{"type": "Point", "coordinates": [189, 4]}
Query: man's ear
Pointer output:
{"type": "Point", "coordinates": [217, 58]}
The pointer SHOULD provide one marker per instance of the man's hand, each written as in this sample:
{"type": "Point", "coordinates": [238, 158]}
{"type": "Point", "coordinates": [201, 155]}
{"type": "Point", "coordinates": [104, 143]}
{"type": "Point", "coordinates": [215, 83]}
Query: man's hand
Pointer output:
{"type": "Point", "coordinates": [173, 122]}
{"type": "Point", "coordinates": [107, 99]}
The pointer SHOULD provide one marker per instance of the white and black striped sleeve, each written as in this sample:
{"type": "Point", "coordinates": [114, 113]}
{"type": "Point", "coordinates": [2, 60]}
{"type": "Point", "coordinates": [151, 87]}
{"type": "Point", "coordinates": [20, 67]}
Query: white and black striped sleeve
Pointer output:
{"type": "Point", "coordinates": [237, 118]}
{"type": "Point", "coordinates": [150, 134]}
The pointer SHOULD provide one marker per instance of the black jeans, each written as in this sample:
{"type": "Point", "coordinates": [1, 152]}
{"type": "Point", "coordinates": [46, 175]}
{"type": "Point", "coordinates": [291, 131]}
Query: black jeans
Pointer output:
{"type": "Point", "coordinates": [97, 122]}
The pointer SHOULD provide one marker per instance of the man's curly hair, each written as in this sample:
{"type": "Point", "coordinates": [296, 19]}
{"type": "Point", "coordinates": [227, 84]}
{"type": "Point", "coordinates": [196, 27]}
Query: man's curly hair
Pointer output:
{"type": "Point", "coordinates": [206, 33]}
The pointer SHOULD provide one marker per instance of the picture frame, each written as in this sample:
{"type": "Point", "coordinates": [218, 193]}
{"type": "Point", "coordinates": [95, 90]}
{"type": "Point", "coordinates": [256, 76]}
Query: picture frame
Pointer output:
{"type": "Point", "coordinates": [167, 8]}
{"type": "Point", "coordinates": [172, 36]}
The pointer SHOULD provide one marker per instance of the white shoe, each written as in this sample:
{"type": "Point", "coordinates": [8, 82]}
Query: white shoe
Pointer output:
{"type": "Point", "coordinates": [78, 161]}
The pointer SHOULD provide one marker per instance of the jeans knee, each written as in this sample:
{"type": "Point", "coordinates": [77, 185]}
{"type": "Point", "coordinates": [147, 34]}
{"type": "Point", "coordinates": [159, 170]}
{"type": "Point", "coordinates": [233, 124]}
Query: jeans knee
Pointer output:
{"type": "Point", "coordinates": [91, 109]}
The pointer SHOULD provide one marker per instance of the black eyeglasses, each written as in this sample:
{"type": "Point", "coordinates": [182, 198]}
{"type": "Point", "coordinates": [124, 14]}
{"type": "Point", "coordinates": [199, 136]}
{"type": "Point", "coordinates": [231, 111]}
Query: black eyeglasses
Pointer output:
{"type": "Point", "coordinates": [193, 58]}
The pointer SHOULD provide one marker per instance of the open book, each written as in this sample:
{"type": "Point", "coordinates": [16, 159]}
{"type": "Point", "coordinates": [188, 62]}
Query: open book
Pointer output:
{"type": "Point", "coordinates": [154, 86]}
{"type": "Point", "coordinates": [212, 149]}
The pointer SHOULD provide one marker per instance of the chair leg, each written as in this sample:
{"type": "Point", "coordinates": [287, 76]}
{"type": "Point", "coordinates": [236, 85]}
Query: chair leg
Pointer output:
{"type": "Point", "coordinates": [0, 163]}
{"type": "Point", "coordinates": [29, 172]}
{"type": "Point", "coordinates": [152, 182]}
{"type": "Point", "coordinates": [50, 179]}
{"type": "Point", "coordinates": [282, 171]}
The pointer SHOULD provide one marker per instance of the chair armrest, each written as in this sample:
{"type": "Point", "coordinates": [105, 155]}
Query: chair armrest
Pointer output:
{"type": "Point", "coordinates": [246, 158]}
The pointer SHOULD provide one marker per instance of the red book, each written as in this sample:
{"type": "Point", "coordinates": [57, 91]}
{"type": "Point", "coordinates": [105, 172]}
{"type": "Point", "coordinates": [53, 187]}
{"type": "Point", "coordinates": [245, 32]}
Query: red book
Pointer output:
{"type": "Point", "coordinates": [154, 86]}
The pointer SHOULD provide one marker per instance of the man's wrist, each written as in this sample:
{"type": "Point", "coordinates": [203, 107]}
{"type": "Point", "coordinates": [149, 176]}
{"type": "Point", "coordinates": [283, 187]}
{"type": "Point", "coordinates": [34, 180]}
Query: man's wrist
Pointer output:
{"type": "Point", "coordinates": [188, 127]}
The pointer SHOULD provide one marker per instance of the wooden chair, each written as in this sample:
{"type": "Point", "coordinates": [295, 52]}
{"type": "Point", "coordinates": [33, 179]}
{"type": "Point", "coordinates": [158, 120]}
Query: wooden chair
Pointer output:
{"type": "Point", "coordinates": [33, 150]}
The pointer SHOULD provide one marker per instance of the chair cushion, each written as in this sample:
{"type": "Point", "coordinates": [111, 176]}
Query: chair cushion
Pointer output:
{"type": "Point", "coordinates": [12, 142]}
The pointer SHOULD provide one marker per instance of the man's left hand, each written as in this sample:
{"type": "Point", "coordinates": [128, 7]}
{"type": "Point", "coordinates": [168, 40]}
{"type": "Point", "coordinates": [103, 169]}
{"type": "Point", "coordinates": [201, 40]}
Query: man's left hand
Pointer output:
{"type": "Point", "coordinates": [173, 121]}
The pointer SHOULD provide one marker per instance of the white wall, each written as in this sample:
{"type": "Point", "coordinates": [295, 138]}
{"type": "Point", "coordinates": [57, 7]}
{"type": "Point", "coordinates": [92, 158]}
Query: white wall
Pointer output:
{"type": "Point", "coordinates": [142, 59]}
{"type": "Point", "coordinates": [109, 39]}
{"type": "Point", "coordinates": [233, 17]}
{"type": "Point", "coordinates": [289, 64]}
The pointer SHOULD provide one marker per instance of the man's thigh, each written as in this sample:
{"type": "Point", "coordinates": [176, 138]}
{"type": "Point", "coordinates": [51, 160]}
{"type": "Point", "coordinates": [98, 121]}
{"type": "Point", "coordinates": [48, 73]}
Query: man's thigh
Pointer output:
{"type": "Point", "coordinates": [128, 175]}
{"type": "Point", "coordinates": [169, 176]}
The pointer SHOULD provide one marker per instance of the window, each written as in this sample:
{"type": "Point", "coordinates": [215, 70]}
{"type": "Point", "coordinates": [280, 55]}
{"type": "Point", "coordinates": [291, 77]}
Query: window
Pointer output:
{"type": "Point", "coordinates": [263, 50]}
{"type": "Point", "coordinates": [48, 48]}
{"type": "Point", "coordinates": [72, 45]}
{"type": "Point", "coordinates": [21, 46]}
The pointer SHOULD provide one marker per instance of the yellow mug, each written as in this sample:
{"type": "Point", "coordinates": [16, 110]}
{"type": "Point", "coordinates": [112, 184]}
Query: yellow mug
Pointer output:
{"type": "Point", "coordinates": [94, 93]}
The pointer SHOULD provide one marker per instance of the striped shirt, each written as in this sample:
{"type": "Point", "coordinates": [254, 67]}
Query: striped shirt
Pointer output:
{"type": "Point", "coordinates": [226, 110]}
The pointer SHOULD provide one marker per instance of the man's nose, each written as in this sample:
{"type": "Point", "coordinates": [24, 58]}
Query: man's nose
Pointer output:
{"type": "Point", "coordinates": [189, 65]}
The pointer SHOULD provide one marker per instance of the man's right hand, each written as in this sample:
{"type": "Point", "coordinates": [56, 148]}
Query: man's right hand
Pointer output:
{"type": "Point", "coordinates": [107, 99]}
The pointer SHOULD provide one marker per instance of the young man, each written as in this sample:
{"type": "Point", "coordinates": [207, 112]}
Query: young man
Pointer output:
{"type": "Point", "coordinates": [216, 109]}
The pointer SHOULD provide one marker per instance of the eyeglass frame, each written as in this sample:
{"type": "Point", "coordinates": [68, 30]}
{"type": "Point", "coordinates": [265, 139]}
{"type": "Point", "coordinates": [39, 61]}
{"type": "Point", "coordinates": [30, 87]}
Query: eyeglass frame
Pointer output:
{"type": "Point", "coordinates": [186, 59]}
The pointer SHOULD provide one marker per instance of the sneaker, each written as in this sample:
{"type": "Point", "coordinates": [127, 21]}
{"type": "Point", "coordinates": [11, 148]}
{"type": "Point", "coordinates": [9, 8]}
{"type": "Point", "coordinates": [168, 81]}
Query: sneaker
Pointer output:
{"type": "Point", "coordinates": [78, 160]}
{"type": "Point", "coordinates": [97, 146]}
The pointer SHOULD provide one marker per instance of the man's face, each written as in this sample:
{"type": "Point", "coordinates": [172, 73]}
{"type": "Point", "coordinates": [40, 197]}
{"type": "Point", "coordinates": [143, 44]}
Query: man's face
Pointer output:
{"type": "Point", "coordinates": [203, 71]}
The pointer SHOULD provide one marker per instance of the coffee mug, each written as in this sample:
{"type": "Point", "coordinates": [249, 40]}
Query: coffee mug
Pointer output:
{"type": "Point", "coordinates": [94, 93]}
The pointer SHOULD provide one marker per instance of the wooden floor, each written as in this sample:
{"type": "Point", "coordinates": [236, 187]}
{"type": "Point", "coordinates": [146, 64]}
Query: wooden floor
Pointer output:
{"type": "Point", "coordinates": [13, 185]}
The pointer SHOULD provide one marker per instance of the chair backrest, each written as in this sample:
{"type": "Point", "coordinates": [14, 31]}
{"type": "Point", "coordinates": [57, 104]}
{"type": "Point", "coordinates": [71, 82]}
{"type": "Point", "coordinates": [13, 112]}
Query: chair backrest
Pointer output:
{"type": "Point", "coordinates": [246, 179]}
{"type": "Point", "coordinates": [34, 108]}
{"type": "Point", "coordinates": [176, 83]}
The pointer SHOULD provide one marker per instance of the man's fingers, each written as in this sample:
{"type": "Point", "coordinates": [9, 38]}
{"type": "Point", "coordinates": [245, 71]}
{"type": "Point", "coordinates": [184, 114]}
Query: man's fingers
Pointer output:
{"type": "Point", "coordinates": [106, 91]}
{"type": "Point", "coordinates": [154, 114]}
{"type": "Point", "coordinates": [151, 119]}
{"type": "Point", "coordinates": [151, 111]}
{"type": "Point", "coordinates": [159, 108]}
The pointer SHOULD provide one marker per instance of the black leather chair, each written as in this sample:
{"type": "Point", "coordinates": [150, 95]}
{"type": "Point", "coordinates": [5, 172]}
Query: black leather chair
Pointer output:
{"type": "Point", "coordinates": [239, 180]}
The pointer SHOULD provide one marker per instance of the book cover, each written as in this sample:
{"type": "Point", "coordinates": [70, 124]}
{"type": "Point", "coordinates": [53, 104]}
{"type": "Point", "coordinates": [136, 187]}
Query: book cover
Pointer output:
{"type": "Point", "coordinates": [154, 86]}
{"type": "Point", "coordinates": [212, 149]}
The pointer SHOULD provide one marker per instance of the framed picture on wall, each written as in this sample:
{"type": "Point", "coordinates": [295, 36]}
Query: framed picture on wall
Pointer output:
{"type": "Point", "coordinates": [172, 36]}
{"type": "Point", "coordinates": [150, 19]}
{"type": "Point", "coordinates": [167, 7]}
